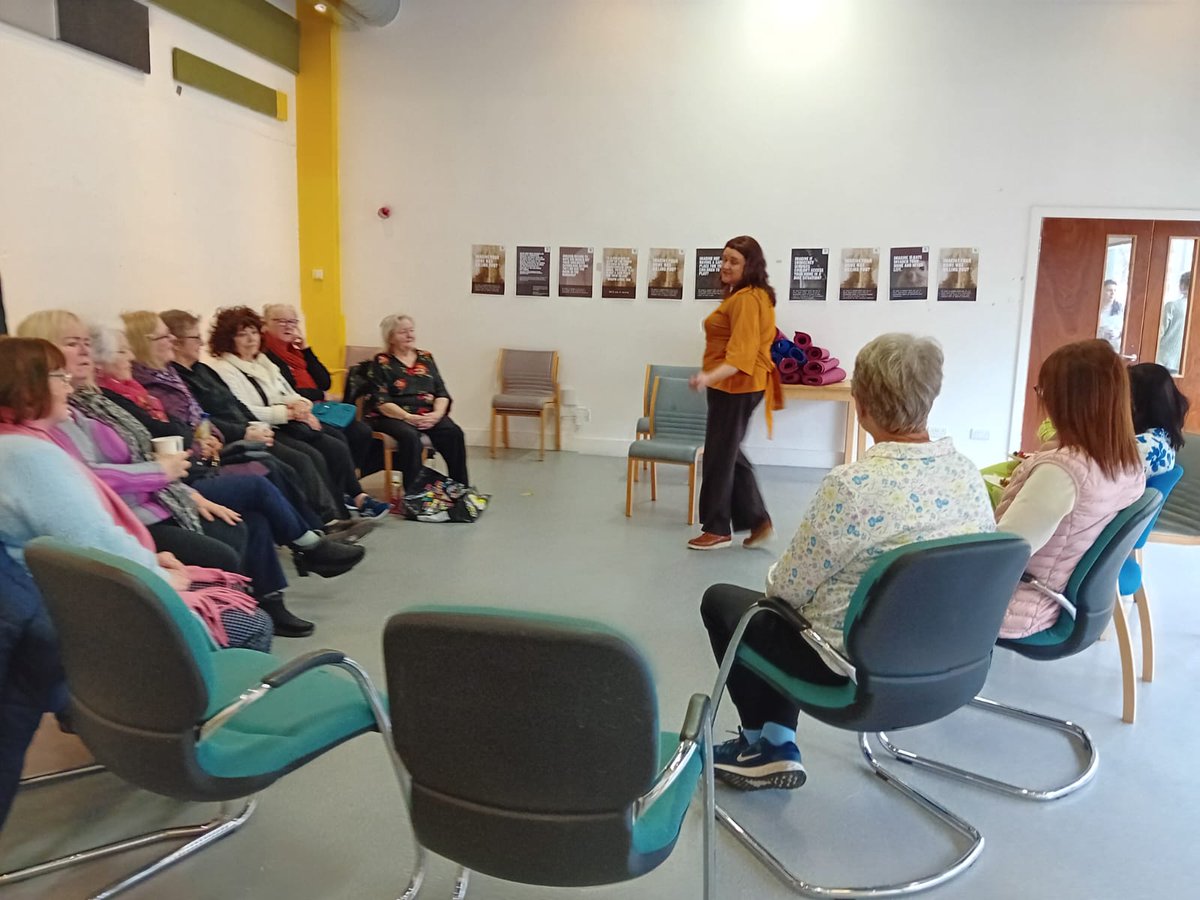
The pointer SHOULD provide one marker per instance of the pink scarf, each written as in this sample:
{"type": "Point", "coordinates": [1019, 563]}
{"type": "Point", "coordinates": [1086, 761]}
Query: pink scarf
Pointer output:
{"type": "Point", "coordinates": [134, 392]}
{"type": "Point", "coordinates": [210, 590]}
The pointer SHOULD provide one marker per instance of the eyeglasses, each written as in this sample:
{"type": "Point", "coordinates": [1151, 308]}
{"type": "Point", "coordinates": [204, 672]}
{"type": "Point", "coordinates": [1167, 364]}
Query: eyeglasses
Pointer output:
{"type": "Point", "coordinates": [161, 337]}
{"type": "Point", "coordinates": [61, 376]}
{"type": "Point", "coordinates": [187, 337]}
{"type": "Point", "coordinates": [290, 323]}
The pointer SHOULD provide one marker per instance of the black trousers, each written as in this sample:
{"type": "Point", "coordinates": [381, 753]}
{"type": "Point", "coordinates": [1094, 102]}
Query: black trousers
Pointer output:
{"type": "Point", "coordinates": [334, 451]}
{"type": "Point", "coordinates": [756, 701]}
{"type": "Point", "coordinates": [220, 547]}
{"type": "Point", "coordinates": [310, 466]}
{"type": "Point", "coordinates": [446, 437]}
{"type": "Point", "coordinates": [729, 494]}
{"type": "Point", "coordinates": [364, 449]}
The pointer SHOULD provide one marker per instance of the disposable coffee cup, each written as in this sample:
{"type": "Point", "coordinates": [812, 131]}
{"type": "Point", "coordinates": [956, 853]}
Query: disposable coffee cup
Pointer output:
{"type": "Point", "coordinates": [164, 446]}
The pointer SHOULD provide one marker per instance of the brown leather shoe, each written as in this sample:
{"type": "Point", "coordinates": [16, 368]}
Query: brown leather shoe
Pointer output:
{"type": "Point", "coordinates": [760, 534]}
{"type": "Point", "coordinates": [708, 541]}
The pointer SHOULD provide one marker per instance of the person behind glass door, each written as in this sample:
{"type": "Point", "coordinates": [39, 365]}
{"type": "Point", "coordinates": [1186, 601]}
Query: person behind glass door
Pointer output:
{"type": "Point", "coordinates": [1174, 320]}
{"type": "Point", "coordinates": [1112, 315]}
{"type": "Point", "coordinates": [736, 371]}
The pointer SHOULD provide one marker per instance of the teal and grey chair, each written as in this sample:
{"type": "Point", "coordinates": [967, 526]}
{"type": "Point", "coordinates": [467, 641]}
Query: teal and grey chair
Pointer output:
{"type": "Point", "coordinates": [534, 748]}
{"type": "Point", "coordinates": [678, 416]}
{"type": "Point", "coordinates": [1179, 522]}
{"type": "Point", "coordinates": [653, 372]}
{"type": "Point", "coordinates": [919, 634]}
{"type": "Point", "coordinates": [1089, 602]}
{"type": "Point", "coordinates": [162, 708]}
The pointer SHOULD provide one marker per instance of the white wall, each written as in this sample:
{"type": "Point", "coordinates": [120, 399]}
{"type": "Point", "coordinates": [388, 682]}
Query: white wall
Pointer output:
{"type": "Point", "coordinates": [804, 122]}
{"type": "Point", "coordinates": [117, 193]}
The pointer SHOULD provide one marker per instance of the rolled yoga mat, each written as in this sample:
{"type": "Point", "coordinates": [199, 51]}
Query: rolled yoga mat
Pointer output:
{"type": "Point", "coordinates": [788, 366]}
{"type": "Point", "coordinates": [833, 376]}
{"type": "Point", "coordinates": [818, 366]}
{"type": "Point", "coordinates": [796, 377]}
{"type": "Point", "coordinates": [802, 340]}
{"type": "Point", "coordinates": [817, 353]}
{"type": "Point", "coordinates": [782, 349]}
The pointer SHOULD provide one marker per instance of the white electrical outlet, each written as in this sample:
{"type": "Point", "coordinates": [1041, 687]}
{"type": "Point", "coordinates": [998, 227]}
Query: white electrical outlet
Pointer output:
{"type": "Point", "coordinates": [980, 434]}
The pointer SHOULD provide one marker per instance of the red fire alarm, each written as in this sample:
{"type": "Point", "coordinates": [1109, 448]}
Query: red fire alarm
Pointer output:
{"type": "Point", "coordinates": [385, 212]}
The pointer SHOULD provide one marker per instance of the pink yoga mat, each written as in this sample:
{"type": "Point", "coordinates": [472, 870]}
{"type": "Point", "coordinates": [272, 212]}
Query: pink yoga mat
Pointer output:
{"type": "Point", "coordinates": [833, 376]}
{"type": "Point", "coordinates": [802, 340]}
{"type": "Point", "coordinates": [796, 377]}
{"type": "Point", "coordinates": [817, 353]}
{"type": "Point", "coordinates": [818, 366]}
{"type": "Point", "coordinates": [788, 366]}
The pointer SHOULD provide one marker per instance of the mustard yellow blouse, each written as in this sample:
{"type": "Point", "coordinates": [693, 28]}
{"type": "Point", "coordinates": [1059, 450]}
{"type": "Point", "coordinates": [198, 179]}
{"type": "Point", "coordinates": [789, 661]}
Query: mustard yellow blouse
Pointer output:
{"type": "Point", "coordinates": [740, 332]}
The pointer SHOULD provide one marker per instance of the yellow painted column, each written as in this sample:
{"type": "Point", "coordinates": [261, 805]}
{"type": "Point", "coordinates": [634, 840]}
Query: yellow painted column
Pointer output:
{"type": "Point", "coordinates": [317, 183]}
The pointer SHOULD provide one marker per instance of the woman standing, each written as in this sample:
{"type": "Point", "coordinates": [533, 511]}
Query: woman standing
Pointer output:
{"type": "Point", "coordinates": [737, 371]}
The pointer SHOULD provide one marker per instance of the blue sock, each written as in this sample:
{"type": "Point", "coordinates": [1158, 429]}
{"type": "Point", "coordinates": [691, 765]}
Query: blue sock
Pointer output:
{"type": "Point", "coordinates": [777, 734]}
{"type": "Point", "coordinates": [751, 734]}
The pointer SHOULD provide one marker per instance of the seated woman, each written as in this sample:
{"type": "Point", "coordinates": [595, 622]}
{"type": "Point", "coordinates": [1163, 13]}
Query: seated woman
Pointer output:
{"type": "Point", "coordinates": [284, 345]}
{"type": "Point", "coordinates": [180, 519]}
{"type": "Point", "coordinates": [1060, 499]}
{"type": "Point", "coordinates": [1159, 411]}
{"type": "Point", "coordinates": [44, 492]}
{"type": "Point", "coordinates": [235, 344]}
{"type": "Point", "coordinates": [408, 398]}
{"type": "Point", "coordinates": [905, 488]}
{"type": "Point", "coordinates": [237, 423]}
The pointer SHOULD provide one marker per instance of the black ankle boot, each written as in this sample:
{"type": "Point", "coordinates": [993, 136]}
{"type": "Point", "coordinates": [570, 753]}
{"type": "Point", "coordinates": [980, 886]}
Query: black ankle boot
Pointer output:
{"type": "Point", "coordinates": [286, 624]}
{"type": "Point", "coordinates": [328, 558]}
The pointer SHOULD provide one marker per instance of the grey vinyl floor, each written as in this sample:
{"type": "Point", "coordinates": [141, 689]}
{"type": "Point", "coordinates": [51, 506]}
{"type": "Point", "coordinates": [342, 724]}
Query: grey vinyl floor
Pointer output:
{"type": "Point", "coordinates": [556, 539]}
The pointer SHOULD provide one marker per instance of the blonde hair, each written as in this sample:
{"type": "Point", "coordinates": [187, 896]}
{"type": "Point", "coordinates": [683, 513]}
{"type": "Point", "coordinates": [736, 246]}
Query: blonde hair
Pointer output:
{"type": "Point", "coordinates": [390, 324]}
{"type": "Point", "coordinates": [49, 324]}
{"type": "Point", "coordinates": [139, 325]}
{"type": "Point", "coordinates": [896, 379]}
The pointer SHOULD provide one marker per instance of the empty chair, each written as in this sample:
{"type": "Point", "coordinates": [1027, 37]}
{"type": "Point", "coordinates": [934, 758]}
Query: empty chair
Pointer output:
{"type": "Point", "coordinates": [678, 415]}
{"type": "Point", "coordinates": [1179, 522]}
{"type": "Point", "coordinates": [161, 707]}
{"type": "Point", "coordinates": [534, 748]}
{"type": "Point", "coordinates": [919, 633]}
{"type": "Point", "coordinates": [528, 388]}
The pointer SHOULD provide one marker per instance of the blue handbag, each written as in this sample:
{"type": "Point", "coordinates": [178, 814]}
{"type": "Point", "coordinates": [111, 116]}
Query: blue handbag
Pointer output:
{"type": "Point", "coordinates": [339, 415]}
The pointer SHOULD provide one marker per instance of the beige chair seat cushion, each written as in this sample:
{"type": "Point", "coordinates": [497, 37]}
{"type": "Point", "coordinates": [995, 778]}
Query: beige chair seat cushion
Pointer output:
{"type": "Point", "coordinates": [533, 402]}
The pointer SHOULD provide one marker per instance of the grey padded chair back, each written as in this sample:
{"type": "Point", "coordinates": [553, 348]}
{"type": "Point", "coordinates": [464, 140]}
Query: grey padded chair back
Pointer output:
{"type": "Point", "coordinates": [527, 737]}
{"type": "Point", "coordinates": [1092, 586]}
{"type": "Point", "coordinates": [527, 372]}
{"type": "Point", "coordinates": [138, 669]}
{"type": "Point", "coordinates": [1179, 521]}
{"type": "Point", "coordinates": [677, 413]}
{"type": "Point", "coordinates": [654, 371]}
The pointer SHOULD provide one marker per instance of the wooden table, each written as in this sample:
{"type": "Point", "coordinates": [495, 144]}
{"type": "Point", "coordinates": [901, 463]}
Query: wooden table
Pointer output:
{"type": "Point", "coordinates": [856, 437]}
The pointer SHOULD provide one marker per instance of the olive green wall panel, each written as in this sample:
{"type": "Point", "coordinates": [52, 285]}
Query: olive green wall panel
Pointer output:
{"type": "Point", "coordinates": [254, 24]}
{"type": "Point", "coordinates": [206, 76]}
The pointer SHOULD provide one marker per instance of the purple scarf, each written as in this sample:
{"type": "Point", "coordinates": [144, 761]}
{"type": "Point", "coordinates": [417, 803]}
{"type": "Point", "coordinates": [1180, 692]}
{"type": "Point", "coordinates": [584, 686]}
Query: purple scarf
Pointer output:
{"type": "Point", "coordinates": [171, 390]}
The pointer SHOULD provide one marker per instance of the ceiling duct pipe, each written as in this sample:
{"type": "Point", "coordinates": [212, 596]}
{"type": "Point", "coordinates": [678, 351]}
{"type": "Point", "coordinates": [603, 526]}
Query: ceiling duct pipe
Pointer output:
{"type": "Point", "coordinates": [376, 13]}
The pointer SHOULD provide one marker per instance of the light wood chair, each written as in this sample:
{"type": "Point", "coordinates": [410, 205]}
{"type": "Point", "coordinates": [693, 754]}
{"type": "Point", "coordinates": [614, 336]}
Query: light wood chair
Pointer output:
{"type": "Point", "coordinates": [678, 416]}
{"type": "Point", "coordinates": [528, 388]}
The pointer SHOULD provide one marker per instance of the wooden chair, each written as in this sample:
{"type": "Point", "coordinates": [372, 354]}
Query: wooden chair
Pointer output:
{"type": "Point", "coordinates": [528, 388]}
{"type": "Point", "coordinates": [678, 416]}
{"type": "Point", "coordinates": [652, 372]}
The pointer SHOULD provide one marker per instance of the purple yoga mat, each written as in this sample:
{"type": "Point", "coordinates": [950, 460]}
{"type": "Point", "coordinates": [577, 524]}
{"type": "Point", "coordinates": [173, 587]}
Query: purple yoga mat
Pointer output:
{"type": "Point", "coordinates": [818, 366]}
{"type": "Point", "coordinates": [788, 366]}
{"type": "Point", "coordinates": [791, 378]}
{"type": "Point", "coordinates": [833, 376]}
{"type": "Point", "coordinates": [817, 353]}
{"type": "Point", "coordinates": [803, 340]}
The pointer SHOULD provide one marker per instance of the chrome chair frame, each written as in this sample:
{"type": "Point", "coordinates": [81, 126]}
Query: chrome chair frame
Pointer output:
{"type": "Point", "coordinates": [772, 862]}
{"type": "Point", "coordinates": [696, 738]}
{"type": "Point", "coordinates": [226, 821]}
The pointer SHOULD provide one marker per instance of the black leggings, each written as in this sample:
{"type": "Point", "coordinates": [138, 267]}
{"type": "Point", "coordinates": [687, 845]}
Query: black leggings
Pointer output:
{"type": "Point", "coordinates": [756, 701]}
{"type": "Point", "coordinates": [446, 437]}
{"type": "Point", "coordinates": [334, 451]}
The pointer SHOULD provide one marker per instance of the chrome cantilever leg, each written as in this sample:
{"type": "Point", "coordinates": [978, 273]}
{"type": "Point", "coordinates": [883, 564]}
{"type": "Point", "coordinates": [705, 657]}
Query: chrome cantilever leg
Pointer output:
{"type": "Point", "coordinates": [202, 834]}
{"type": "Point", "coordinates": [1073, 731]}
{"type": "Point", "coordinates": [461, 883]}
{"type": "Point", "coordinates": [384, 723]}
{"type": "Point", "coordinates": [710, 808]}
{"type": "Point", "coordinates": [899, 889]}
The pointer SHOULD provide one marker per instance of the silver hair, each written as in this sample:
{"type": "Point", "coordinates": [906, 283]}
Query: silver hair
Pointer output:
{"type": "Point", "coordinates": [106, 342]}
{"type": "Point", "coordinates": [390, 324]}
{"type": "Point", "coordinates": [268, 307]}
{"type": "Point", "coordinates": [896, 379]}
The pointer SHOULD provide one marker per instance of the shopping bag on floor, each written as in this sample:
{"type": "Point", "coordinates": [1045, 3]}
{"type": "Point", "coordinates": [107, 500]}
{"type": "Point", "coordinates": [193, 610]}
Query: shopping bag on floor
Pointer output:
{"type": "Point", "coordinates": [441, 499]}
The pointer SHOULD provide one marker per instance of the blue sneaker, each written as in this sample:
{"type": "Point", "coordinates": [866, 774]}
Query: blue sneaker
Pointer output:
{"type": "Point", "coordinates": [727, 751]}
{"type": "Point", "coordinates": [759, 766]}
{"type": "Point", "coordinates": [371, 508]}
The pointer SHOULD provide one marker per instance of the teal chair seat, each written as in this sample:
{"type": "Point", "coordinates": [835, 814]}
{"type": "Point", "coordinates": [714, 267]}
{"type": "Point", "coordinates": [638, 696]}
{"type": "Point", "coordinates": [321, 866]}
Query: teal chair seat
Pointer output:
{"type": "Point", "coordinates": [676, 426]}
{"type": "Point", "coordinates": [666, 450]}
{"type": "Point", "coordinates": [643, 425]}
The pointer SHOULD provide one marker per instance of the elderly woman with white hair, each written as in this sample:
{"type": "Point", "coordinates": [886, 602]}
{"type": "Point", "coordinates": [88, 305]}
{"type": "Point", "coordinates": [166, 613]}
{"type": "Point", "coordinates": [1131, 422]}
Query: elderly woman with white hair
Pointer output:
{"type": "Point", "coordinates": [408, 398]}
{"type": "Point", "coordinates": [906, 488]}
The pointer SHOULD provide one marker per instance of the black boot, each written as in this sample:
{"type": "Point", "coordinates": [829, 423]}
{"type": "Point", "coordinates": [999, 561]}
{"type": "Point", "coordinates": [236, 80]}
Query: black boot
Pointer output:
{"type": "Point", "coordinates": [328, 558]}
{"type": "Point", "coordinates": [286, 624]}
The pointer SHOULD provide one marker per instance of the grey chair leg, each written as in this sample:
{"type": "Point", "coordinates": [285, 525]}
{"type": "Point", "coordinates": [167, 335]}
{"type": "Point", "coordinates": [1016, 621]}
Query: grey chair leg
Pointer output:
{"type": "Point", "coordinates": [710, 809]}
{"type": "Point", "coordinates": [1074, 732]}
{"type": "Point", "coordinates": [899, 889]}
{"type": "Point", "coordinates": [461, 883]}
{"type": "Point", "coordinates": [224, 823]}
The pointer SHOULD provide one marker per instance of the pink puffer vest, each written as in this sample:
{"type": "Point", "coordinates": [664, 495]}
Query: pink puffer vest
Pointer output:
{"type": "Point", "coordinates": [1097, 501]}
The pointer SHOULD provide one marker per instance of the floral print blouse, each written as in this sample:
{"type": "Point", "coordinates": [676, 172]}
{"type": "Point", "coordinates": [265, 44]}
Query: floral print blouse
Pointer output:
{"type": "Point", "coordinates": [412, 388]}
{"type": "Point", "coordinates": [897, 493]}
{"type": "Point", "coordinates": [1154, 447]}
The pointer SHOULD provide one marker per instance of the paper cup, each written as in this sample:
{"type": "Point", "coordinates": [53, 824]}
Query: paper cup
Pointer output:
{"type": "Point", "coordinates": [166, 445]}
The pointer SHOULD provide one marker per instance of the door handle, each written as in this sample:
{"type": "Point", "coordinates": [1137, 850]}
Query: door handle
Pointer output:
{"type": "Point", "coordinates": [1132, 357]}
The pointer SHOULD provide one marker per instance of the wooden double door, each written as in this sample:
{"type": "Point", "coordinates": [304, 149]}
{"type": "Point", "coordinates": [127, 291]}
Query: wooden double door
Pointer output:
{"type": "Point", "coordinates": [1128, 281]}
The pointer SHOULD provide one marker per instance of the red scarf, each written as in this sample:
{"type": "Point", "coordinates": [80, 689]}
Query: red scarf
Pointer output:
{"type": "Point", "coordinates": [293, 358]}
{"type": "Point", "coordinates": [135, 393]}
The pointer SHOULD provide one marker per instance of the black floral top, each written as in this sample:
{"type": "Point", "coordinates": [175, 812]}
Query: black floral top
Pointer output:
{"type": "Point", "coordinates": [412, 388]}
